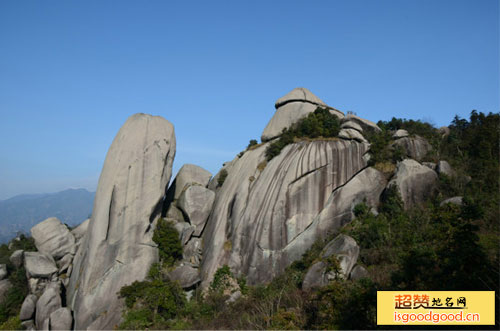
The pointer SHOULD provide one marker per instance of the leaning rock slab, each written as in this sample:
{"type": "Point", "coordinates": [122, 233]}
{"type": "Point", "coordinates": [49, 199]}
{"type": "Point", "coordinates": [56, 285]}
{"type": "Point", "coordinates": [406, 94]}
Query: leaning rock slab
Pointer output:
{"type": "Point", "coordinates": [28, 307]}
{"type": "Point", "coordinates": [400, 134]}
{"type": "Point", "coordinates": [39, 265]}
{"type": "Point", "coordinates": [118, 248]}
{"type": "Point", "coordinates": [54, 238]}
{"type": "Point", "coordinates": [61, 319]}
{"type": "Point", "coordinates": [49, 302]}
{"type": "Point", "coordinates": [196, 202]}
{"type": "Point", "coordinates": [80, 230]}
{"type": "Point", "coordinates": [300, 94]}
{"type": "Point", "coordinates": [366, 125]}
{"type": "Point", "coordinates": [352, 125]}
{"type": "Point", "coordinates": [414, 181]}
{"type": "Point", "coordinates": [186, 275]}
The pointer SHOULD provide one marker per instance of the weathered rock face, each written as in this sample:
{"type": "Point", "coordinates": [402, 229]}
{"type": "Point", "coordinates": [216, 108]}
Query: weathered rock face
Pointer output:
{"type": "Point", "coordinates": [186, 275]}
{"type": "Point", "coordinates": [3, 271]}
{"type": "Point", "coordinates": [17, 258]}
{"type": "Point", "coordinates": [352, 134]}
{"type": "Point", "coordinates": [39, 265]}
{"type": "Point", "coordinates": [292, 107]}
{"type": "Point", "coordinates": [414, 181]}
{"type": "Point", "coordinates": [189, 174]}
{"type": "Point", "coordinates": [365, 124]}
{"type": "Point", "coordinates": [52, 237]}
{"type": "Point", "coordinates": [359, 272]}
{"type": "Point", "coordinates": [61, 319]}
{"type": "Point", "coordinates": [400, 134]}
{"type": "Point", "coordinates": [454, 201]}
{"type": "Point", "coordinates": [415, 147]}
{"type": "Point", "coordinates": [5, 285]}
{"type": "Point", "coordinates": [80, 230]}
{"type": "Point", "coordinates": [445, 168]}
{"type": "Point", "coordinates": [258, 215]}
{"type": "Point", "coordinates": [118, 248]}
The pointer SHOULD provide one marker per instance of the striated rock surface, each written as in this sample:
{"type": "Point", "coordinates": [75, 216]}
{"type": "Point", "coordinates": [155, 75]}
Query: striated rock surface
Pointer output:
{"type": "Point", "coordinates": [118, 248]}
{"type": "Point", "coordinates": [254, 222]}
{"type": "Point", "coordinates": [61, 319]}
{"type": "Point", "coordinates": [292, 107]}
{"type": "Point", "coordinates": [414, 181]}
{"type": "Point", "coordinates": [415, 147]}
{"type": "Point", "coordinates": [54, 238]}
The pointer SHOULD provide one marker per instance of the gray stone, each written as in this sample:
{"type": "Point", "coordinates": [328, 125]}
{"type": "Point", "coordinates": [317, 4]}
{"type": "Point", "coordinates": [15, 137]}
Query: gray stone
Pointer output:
{"type": "Point", "coordinates": [455, 201]}
{"type": "Point", "coordinates": [180, 227]}
{"type": "Point", "coordinates": [54, 238]}
{"type": "Point", "coordinates": [174, 213]}
{"type": "Point", "coordinates": [253, 224]}
{"type": "Point", "coordinates": [444, 168]}
{"type": "Point", "coordinates": [315, 276]}
{"type": "Point", "coordinates": [29, 325]}
{"type": "Point", "coordinates": [400, 134]}
{"type": "Point", "coordinates": [37, 285]}
{"type": "Point", "coordinates": [415, 182]}
{"type": "Point", "coordinates": [80, 230]}
{"type": "Point", "coordinates": [49, 302]}
{"type": "Point", "coordinates": [61, 319]}
{"type": "Point", "coordinates": [444, 131]}
{"type": "Point", "coordinates": [192, 251]}
{"type": "Point", "coordinates": [234, 296]}
{"type": "Point", "coordinates": [17, 258]}
{"type": "Point", "coordinates": [359, 272]}
{"type": "Point", "coordinates": [300, 94]}
{"type": "Point", "coordinates": [366, 125]}
{"type": "Point", "coordinates": [188, 175]}
{"type": "Point", "coordinates": [351, 125]}
{"type": "Point", "coordinates": [352, 134]}
{"type": "Point", "coordinates": [3, 271]}
{"type": "Point", "coordinates": [28, 307]}
{"type": "Point", "coordinates": [186, 275]}
{"type": "Point", "coordinates": [415, 147]}
{"type": "Point", "coordinates": [346, 250]}
{"type": "Point", "coordinates": [5, 285]}
{"type": "Point", "coordinates": [196, 202]}
{"type": "Point", "coordinates": [64, 263]}
{"type": "Point", "coordinates": [186, 234]}
{"type": "Point", "coordinates": [118, 248]}
{"type": "Point", "coordinates": [430, 165]}
{"type": "Point", "coordinates": [39, 265]}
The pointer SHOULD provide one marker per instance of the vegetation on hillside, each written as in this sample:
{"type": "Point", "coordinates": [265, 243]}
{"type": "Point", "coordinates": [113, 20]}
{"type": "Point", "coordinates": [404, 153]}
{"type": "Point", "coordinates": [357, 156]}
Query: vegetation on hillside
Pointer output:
{"type": "Point", "coordinates": [318, 124]}
{"type": "Point", "coordinates": [13, 299]}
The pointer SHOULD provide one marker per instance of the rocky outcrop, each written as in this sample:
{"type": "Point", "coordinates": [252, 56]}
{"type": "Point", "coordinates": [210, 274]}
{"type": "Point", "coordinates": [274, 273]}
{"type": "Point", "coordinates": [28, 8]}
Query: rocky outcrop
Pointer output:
{"type": "Point", "coordinates": [444, 168]}
{"type": "Point", "coordinates": [352, 134]}
{"type": "Point", "coordinates": [254, 222]}
{"type": "Point", "coordinates": [79, 231]}
{"type": "Point", "coordinates": [52, 237]}
{"type": "Point", "coordinates": [358, 272]}
{"type": "Point", "coordinates": [415, 147]}
{"type": "Point", "coordinates": [297, 104]}
{"type": "Point", "coordinates": [118, 248]}
{"type": "Point", "coordinates": [188, 175]}
{"type": "Point", "coordinates": [186, 275]}
{"type": "Point", "coordinates": [351, 125]}
{"type": "Point", "coordinates": [415, 182]}
{"type": "Point", "coordinates": [5, 285]}
{"type": "Point", "coordinates": [400, 134]}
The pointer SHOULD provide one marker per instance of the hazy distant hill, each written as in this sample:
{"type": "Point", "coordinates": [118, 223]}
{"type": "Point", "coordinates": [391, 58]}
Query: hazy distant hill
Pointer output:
{"type": "Point", "coordinates": [21, 212]}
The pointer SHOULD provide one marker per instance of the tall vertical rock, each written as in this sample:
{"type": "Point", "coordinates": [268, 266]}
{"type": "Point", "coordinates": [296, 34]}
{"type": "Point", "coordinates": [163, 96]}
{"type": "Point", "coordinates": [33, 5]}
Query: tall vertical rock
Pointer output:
{"type": "Point", "coordinates": [117, 248]}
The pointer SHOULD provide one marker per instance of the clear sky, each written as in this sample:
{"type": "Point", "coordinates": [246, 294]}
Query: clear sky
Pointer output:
{"type": "Point", "coordinates": [72, 72]}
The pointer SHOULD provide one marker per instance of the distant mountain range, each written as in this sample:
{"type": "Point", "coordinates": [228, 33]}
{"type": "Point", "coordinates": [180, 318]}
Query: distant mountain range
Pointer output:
{"type": "Point", "coordinates": [20, 213]}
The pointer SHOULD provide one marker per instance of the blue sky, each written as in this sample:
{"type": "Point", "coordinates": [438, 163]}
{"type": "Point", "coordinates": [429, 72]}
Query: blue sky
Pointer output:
{"type": "Point", "coordinates": [72, 72]}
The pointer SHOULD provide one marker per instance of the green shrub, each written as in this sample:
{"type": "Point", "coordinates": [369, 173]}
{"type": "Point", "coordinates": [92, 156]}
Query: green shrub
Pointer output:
{"type": "Point", "coordinates": [221, 278]}
{"type": "Point", "coordinates": [320, 123]}
{"type": "Point", "coordinates": [252, 143]}
{"type": "Point", "coordinates": [169, 245]}
{"type": "Point", "coordinates": [222, 177]}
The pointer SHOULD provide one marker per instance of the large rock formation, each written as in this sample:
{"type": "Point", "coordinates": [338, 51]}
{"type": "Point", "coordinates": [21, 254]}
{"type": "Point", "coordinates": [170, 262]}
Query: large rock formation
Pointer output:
{"type": "Point", "coordinates": [297, 104]}
{"type": "Point", "coordinates": [117, 248]}
{"type": "Point", "coordinates": [415, 147]}
{"type": "Point", "coordinates": [260, 212]}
